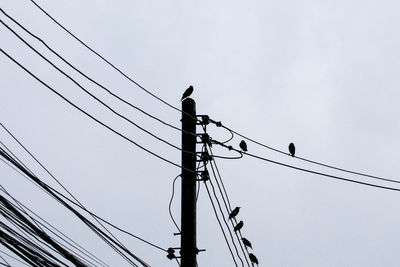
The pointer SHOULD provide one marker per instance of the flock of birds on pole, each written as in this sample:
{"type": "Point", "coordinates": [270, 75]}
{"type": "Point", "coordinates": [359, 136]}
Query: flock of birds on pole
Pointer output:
{"type": "Point", "coordinates": [235, 211]}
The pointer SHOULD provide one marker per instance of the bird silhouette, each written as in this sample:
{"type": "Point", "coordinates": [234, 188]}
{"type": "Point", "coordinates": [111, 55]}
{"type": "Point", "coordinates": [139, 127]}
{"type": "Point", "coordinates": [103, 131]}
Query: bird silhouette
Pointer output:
{"type": "Point", "coordinates": [234, 212]}
{"type": "Point", "coordinates": [243, 145]}
{"type": "Point", "coordinates": [292, 149]}
{"type": "Point", "coordinates": [238, 226]}
{"type": "Point", "coordinates": [246, 243]}
{"type": "Point", "coordinates": [187, 93]}
{"type": "Point", "coordinates": [253, 259]}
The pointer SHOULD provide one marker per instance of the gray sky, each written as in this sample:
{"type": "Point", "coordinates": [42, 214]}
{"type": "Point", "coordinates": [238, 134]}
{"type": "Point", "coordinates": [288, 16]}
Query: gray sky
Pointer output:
{"type": "Point", "coordinates": [321, 74]}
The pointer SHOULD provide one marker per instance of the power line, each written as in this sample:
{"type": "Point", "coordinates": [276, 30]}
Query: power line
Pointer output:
{"type": "Point", "coordinates": [105, 60]}
{"type": "Point", "coordinates": [77, 203]}
{"type": "Point", "coordinates": [49, 174]}
{"type": "Point", "coordinates": [90, 94]}
{"type": "Point", "coordinates": [45, 188]}
{"type": "Point", "coordinates": [74, 245]}
{"type": "Point", "coordinates": [228, 209]}
{"type": "Point", "coordinates": [12, 257]}
{"type": "Point", "coordinates": [86, 210]}
{"type": "Point", "coordinates": [15, 161]}
{"type": "Point", "coordinates": [227, 226]}
{"type": "Point", "coordinates": [220, 178]}
{"type": "Point", "coordinates": [220, 225]}
{"type": "Point", "coordinates": [66, 254]}
{"type": "Point", "coordinates": [311, 161]}
{"type": "Point", "coordinates": [310, 171]}
{"type": "Point", "coordinates": [6, 262]}
{"type": "Point", "coordinates": [32, 233]}
{"type": "Point", "coordinates": [93, 227]}
{"type": "Point", "coordinates": [89, 78]}
{"type": "Point", "coordinates": [88, 115]}
{"type": "Point", "coordinates": [170, 203]}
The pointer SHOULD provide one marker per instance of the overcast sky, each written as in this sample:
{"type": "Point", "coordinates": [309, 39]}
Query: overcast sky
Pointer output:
{"type": "Point", "coordinates": [321, 74]}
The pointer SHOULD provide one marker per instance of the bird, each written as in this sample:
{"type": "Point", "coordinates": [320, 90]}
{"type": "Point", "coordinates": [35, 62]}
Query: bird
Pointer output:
{"type": "Point", "coordinates": [246, 242]}
{"type": "Point", "coordinates": [292, 149]}
{"type": "Point", "coordinates": [188, 92]}
{"type": "Point", "coordinates": [243, 145]}
{"type": "Point", "coordinates": [238, 226]}
{"type": "Point", "coordinates": [234, 212]}
{"type": "Point", "coordinates": [253, 259]}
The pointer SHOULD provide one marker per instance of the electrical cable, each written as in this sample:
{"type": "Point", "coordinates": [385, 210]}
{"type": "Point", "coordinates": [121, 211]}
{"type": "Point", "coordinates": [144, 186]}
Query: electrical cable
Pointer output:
{"type": "Point", "coordinates": [224, 157]}
{"type": "Point", "coordinates": [103, 235]}
{"type": "Point", "coordinates": [92, 214]}
{"type": "Point", "coordinates": [28, 235]}
{"type": "Point", "coordinates": [7, 264]}
{"type": "Point", "coordinates": [108, 62]}
{"type": "Point", "coordinates": [170, 202]}
{"type": "Point", "coordinates": [220, 225]}
{"type": "Point", "coordinates": [228, 209]}
{"type": "Point", "coordinates": [20, 162]}
{"type": "Point", "coordinates": [66, 254]}
{"type": "Point", "coordinates": [89, 78]}
{"type": "Point", "coordinates": [220, 179]}
{"type": "Point", "coordinates": [90, 116]}
{"type": "Point", "coordinates": [230, 138]}
{"type": "Point", "coordinates": [198, 183]}
{"type": "Point", "coordinates": [225, 193]}
{"type": "Point", "coordinates": [232, 131]}
{"type": "Point", "coordinates": [229, 230]}
{"type": "Point", "coordinates": [204, 149]}
{"type": "Point", "coordinates": [15, 237]}
{"type": "Point", "coordinates": [76, 200]}
{"type": "Point", "coordinates": [311, 161]}
{"type": "Point", "coordinates": [315, 172]}
{"type": "Point", "coordinates": [90, 94]}
{"type": "Point", "coordinates": [69, 241]}
{"type": "Point", "coordinates": [28, 254]}
{"type": "Point", "coordinates": [11, 153]}
{"type": "Point", "coordinates": [12, 257]}
{"type": "Point", "coordinates": [89, 212]}
{"type": "Point", "coordinates": [222, 214]}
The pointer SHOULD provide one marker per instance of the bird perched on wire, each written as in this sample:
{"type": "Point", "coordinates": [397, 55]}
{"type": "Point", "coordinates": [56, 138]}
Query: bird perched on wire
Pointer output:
{"type": "Point", "coordinates": [187, 93]}
{"type": "Point", "coordinates": [246, 242]}
{"type": "Point", "coordinates": [238, 226]}
{"type": "Point", "coordinates": [292, 149]}
{"type": "Point", "coordinates": [243, 145]}
{"type": "Point", "coordinates": [234, 212]}
{"type": "Point", "coordinates": [253, 259]}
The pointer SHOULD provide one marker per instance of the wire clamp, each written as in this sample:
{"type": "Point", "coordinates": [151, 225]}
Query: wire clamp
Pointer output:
{"type": "Point", "coordinates": [205, 176]}
{"type": "Point", "coordinates": [205, 119]}
{"type": "Point", "coordinates": [205, 139]}
{"type": "Point", "coordinates": [171, 254]}
{"type": "Point", "coordinates": [205, 157]}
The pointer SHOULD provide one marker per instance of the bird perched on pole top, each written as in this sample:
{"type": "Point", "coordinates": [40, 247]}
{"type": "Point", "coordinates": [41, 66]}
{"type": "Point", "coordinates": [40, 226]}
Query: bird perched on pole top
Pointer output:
{"type": "Point", "coordinates": [243, 145]}
{"type": "Point", "coordinates": [246, 242]}
{"type": "Point", "coordinates": [292, 149]}
{"type": "Point", "coordinates": [187, 93]}
{"type": "Point", "coordinates": [234, 212]}
{"type": "Point", "coordinates": [238, 226]}
{"type": "Point", "coordinates": [253, 259]}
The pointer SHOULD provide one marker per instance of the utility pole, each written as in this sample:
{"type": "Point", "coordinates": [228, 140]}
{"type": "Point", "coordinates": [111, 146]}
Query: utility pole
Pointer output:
{"type": "Point", "coordinates": [188, 208]}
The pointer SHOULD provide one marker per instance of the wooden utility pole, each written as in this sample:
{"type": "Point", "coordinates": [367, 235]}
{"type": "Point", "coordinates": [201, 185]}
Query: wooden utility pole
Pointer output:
{"type": "Point", "coordinates": [188, 208]}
